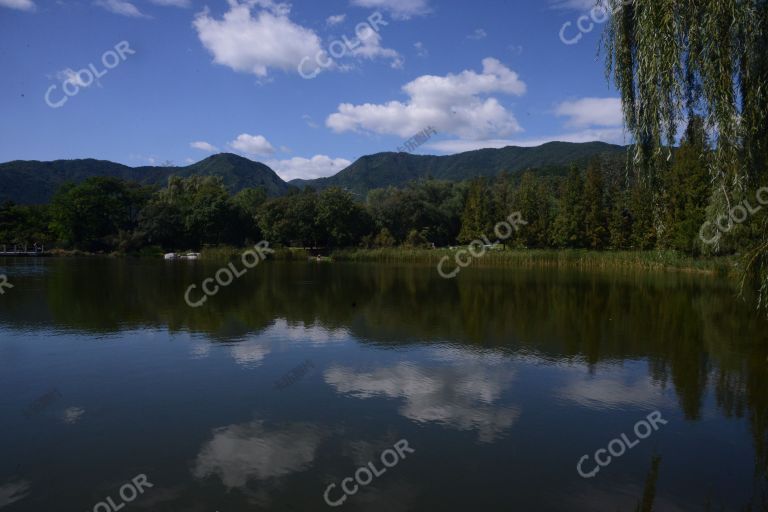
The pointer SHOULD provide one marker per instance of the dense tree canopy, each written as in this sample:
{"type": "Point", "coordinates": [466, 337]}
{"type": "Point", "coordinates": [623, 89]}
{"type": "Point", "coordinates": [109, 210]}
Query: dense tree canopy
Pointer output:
{"type": "Point", "coordinates": [674, 61]}
{"type": "Point", "coordinates": [94, 214]}
{"type": "Point", "coordinates": [197, 211]}
{"type": "Point", "coordinates": [597, 207]}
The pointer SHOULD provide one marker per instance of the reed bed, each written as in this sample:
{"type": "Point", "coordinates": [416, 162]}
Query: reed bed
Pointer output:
{"type": "Point", "coordinates": [536, 258]}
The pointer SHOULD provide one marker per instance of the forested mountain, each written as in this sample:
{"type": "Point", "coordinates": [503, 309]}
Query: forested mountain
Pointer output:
{"type": "Point", "coordinates": [600, 205]}
{"type": "Point", "coordinates": [32, 182]}
{"type": "Point", "coordinates": [237, 172]}
{"type": "Point", "coordinates": [397, 169]}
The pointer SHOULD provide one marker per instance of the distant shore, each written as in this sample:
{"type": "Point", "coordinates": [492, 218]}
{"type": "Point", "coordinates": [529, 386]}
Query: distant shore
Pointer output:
{"type": "Point", "coordinates": [519, 258]}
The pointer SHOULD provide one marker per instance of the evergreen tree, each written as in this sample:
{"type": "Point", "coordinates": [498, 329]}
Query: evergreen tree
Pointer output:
{"type": "Point", "coordinates": [569, 221]}
{"type": "Point", "coordinates": [595, 209]}
{"type": "Point", "coordinates": [643, 226]}
{"type": "Point", "coordinates": [532, 201]}
{"type": "Point", "coordinates": [621, 220]}
{"type": "Point", "coordinates": [476, 220]}
{"type": "Point", "coordinates": [687, 191]}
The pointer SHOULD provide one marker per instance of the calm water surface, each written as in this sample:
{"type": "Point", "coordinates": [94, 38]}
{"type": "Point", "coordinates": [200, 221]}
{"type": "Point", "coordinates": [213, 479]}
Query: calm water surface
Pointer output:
{"type": "Point", "coordinates": [299, 374]}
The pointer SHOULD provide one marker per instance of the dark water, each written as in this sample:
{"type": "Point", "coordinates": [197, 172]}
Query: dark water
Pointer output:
{"type": "Point", "coordinates": [297, 375]}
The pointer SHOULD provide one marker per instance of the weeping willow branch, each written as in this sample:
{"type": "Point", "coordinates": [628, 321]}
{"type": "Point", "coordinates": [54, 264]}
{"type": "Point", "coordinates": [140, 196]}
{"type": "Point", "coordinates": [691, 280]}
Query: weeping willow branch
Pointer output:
{"type": "Point", "coordinates": [676, 60]}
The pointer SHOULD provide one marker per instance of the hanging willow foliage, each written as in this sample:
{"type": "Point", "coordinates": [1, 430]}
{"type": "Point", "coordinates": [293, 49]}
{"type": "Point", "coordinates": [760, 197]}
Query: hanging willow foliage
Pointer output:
{"type": "Point", "coordinates": [673, 60]}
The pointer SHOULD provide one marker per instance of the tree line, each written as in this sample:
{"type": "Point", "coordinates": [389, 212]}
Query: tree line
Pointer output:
{"type": "Point", "coordinates": [602, 206]}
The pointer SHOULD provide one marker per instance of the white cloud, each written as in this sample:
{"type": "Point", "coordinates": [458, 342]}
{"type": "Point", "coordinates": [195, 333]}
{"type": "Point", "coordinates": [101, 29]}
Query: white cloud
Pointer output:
{"type": "Point", "coordinates": [478, 34]}
{"type": "Point", "coordinates": [421, 50]}
{"type": "Point", "coordinates": [250, 353]}
{"type": "Point", "coordinates": [21, 5]}
{"type": "Point", "coordinates": [586, 120]}
{"type": "Point", "coordinates": [370, 48]}
{"type": "Point", "coordinates": [402, 9]}
{"type": "Point", "coordinates": [254, 43]}
{"type": "Point", "coordinates": [461, 395]}
{"type": "Point", "coordinates": [13, 491]}
{"type": "Point", "coordinates": [256, 36]}
{"type": "Point", "coordinates": [591, 112]}
{"type": "Point", "coordinates": [612, 136]}
{"type": "Point", "coordinates": [453, 104]}
{"type": "Point", "coordinates": [204, 146]}
{"type": "Point", "coordinates": [319, 166]}
{"type": "Point", "coordinates": [335, 20]}
{"type": "Point", "coordinates": [252, 144]}
{"type": "Point", "coordinates": [612, 392]}
{"type": "Point", "coordinates": [72, 415]}
{"type": "Point", "coordinates": [121, 7]}
{"type": "Point", "coordinates": [251, 451]}
{"type": "Point", "coordinates": [303, 333]}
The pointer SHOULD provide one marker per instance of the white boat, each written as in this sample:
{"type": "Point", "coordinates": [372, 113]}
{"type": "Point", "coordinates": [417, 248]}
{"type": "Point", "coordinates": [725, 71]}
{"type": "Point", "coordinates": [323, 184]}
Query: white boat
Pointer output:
{"type": "Point", "coordinates": [187, 256]}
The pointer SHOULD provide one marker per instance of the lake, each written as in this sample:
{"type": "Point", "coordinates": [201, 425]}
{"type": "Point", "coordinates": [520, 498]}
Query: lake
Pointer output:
{"type": "Point", "coordinates": [365, 387]}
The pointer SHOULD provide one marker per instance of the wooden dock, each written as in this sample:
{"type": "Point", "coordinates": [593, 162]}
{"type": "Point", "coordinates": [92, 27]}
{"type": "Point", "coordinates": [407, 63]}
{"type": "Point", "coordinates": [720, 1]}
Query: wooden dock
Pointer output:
{"type": "Point", "coordinates": [22, 250]}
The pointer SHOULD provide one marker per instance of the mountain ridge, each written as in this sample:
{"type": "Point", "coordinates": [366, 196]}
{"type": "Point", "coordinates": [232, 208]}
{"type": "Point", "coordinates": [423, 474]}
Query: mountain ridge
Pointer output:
{"type": "Point", "coordinates": [363, 174]}
{"type": "Point", "coordinates": [35, 182]}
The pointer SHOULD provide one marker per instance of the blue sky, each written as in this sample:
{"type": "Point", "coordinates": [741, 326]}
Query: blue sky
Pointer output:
{"type": "Point", "coordinates": [179, 80]}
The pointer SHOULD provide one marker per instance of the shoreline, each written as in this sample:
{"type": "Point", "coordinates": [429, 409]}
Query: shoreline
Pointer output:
{"type": "Point", "coordinates": [579, 259]}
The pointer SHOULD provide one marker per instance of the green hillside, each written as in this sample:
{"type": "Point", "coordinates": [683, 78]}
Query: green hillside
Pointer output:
{"type": "Point", "coordinates": [397, 169]}
{"type": "Point", "coordinates": [32, 182]}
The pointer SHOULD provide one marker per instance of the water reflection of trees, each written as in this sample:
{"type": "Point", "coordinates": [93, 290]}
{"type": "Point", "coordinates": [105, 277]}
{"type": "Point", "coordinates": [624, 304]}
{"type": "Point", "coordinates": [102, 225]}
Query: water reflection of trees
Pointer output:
{"type": "Point", "coordinates": [693, 331]}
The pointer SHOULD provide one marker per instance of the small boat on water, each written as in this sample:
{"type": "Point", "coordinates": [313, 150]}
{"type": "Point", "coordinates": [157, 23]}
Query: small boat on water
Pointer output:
{"type": "Point", "coordinates": [176, 256]}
